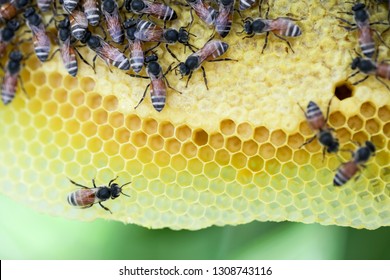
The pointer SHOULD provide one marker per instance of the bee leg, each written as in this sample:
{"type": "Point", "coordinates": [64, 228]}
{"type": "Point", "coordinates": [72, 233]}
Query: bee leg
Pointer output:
{"type": "Point", "coordinates": [284, 39]}
{"type": "Point", "coordinates": [265, 42]}
{"type": "Point", "coordinates": [360, 81]}
{"type": "Point", "coordinates": [94, 64]}
{"type": "Point", "coordinates": [104, 207]}
{"type": "Point", "coordinates": [152, 48]}
{"type": "Point", "coordinates": [143, 97]}
{"type": "Point", "coordinates": [171, 53]}
{"type": "Point", "coordinates": [138, 76]}
{"type": "Point", "coordinates": [189, 78]}
{"type": "Point", "coordinates": [109, 184]}
{"type": "Point", "coordinates": [383, 83]}
{"type": "Point", "coordinates": [303, 110]}
{"type": "Point", "coordinates": [327, 111]}
{"type": "Point", "coordinates": [77, 184]}
{"type": "Point", "coordinates": [52, 55]}
{"type": "Point", "coordinates": [166, 80]}
{"type": "Point", "coordinates": [204, 77]}
{"type": "Point", "coordinates": [93, 182]}
{"type": "Point", "coordinates": [380, 38]}
{"type": "Point", "coordinates": [223, 59]}
{"type": "Point", "coordinates": [22, 86]}
{"type": "Point", "coordinates": [83, 59]}
{"type": "Point", "coordinates": [248, 36]}
{"type": "Point", "coordinates": [308, 141]}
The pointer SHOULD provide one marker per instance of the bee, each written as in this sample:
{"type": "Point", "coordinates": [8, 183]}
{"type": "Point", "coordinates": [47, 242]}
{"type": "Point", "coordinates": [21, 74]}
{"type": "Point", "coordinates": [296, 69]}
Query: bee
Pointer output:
{"type": "Point", "coordinates": [209, 52]}
{"type": "Point", "coordinates": [78, 24]}
{"type": "Point", "coordinates": [158, 83]}
{"type": "Point", "coordinates": [348, 169]}
{"type": "Point", "coordinates": [154, 9]}
{"type": "Point", "coordinates": [318, 122]}
{"type": "Point", "coordinates": [110, 12]}
{"type": "Point", "coordinates": [148, 31]}
{"type": "Point", "coordinates": [370, 67]}
{"type": "Point", "coordinates": [281, 26]}
{"type": "Point", "coordinates": [11, 77]}
{"type": "Point", "coordinates": [105, 51]}
{"type": "Point", "coordinates": [44, 5]}
{"type": "Point", "coordinates": [92, 11]}
{"type": "Point", "coordinates": [203, 10]}
{"type": "Point", "coordinates": [246, 4]}
{"type": "Point", "coordinates": [10, 9]}
{"type": "Point", "coordinates": [40, 38]}
{"type": "Point", "coordinates": [7, 34]}
{"type": "Point", "coordinates": [365, 32]}
{"type": "Point", "coordinates": [136, 50]}
{"type": "Point", "coordinates": [86, 197]}
{"type": "Point", "coordinates": [223, 22]}
{"type": "Point", "coordinates": [69, 5]}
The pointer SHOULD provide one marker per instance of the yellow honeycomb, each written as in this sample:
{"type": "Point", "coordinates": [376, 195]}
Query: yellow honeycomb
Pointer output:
{"type": "Point", "coordinates": [229, 155]}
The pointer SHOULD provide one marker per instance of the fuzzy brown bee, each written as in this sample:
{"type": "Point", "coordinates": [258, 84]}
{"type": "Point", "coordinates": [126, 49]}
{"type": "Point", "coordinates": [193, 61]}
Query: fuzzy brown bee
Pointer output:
{"type": "Point", "coordinates": [10, 9]}
{"type": "Point", "coordinates": [87, 197]}
{"type": "Point", "coordinates": [349, 169]}
{"type": "Point", "coordinates": [113, 21]}
{"type": "Point", "coordinates": [135, 45]}
{"type": "Point", "coordinates": [11, 77]}
{"type": "Point", "coordinates": [7, 34]}
{"type": "Point", "coordinates": [224, 20]}
{"type": "Point", "coordinates": [203, 10]}
{"type": "Point", "coordinates": [78, 24]}
{"type": "Point", "coordinates": [92, 11]}
{"type": "Point", "coordinates": [154, 9]}
{"type": "Point", "coordinates": [371, 68]}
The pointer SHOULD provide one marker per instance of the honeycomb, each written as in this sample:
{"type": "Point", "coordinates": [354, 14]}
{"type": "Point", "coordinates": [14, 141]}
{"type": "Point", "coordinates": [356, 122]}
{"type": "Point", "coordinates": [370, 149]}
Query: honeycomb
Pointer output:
{"type": "Point", "coordinates": [225, 156]}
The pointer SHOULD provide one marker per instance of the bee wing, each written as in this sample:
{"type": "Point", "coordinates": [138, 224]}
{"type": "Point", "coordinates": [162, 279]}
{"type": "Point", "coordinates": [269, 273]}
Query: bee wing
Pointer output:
{"type": "Point", "coordinates": [108, 52]}
{"type": "Point", "coordinates": [112, 19]}
{"type": "Point", "coordinates": [153, 33]}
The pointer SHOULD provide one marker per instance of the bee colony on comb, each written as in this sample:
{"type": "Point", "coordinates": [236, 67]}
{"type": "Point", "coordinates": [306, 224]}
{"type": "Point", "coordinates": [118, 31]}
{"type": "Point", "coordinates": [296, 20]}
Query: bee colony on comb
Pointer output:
{"type": "Point", "coordinates": [233, 117]}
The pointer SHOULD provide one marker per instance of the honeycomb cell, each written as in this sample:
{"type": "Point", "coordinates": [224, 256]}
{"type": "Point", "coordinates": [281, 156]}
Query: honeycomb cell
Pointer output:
{"type": "Point", "coordinates": [60, 95]}
{"type": "Point", "coordinates": [189, 150]}
{"type": "Point", "coordinates": [77, 141]}
{"type": "Point", "coordinates": [255, 163]}
{"type": "Point", "coordinates": [94, 100]}
{"type": "Point", "coordinates": [100, 116]}
{"type": "Point", "coordinates": [384, 114]}
{"type": "Point", "coordinates": [355, 123]}
{"type": "Point", "coordinates": [88, 128]}
{"type": "Point", "coordinates": [87, 84]}
{"type": "Point", "coordinates": [82, 113]}
{"type": "Point", "coordinates": [72, 126]}
{"type": "Point", "coordinates": [216, 141]}
{"type": "Point", "coordinates": [261, 134]}
{"type": "Point", "coordinates": [284, 154]}
{"type": "Point", "coordinates": [162, 158]}
{"type": "Point", "coordinates": [50, 108]}
{"type": "Point", "coordinates": [244, 130]}
{"type": "Point", "coordinates": [206, 154]}
{"type": "Point", "coordinates": [367, 110]}
{"type": "Point", "coordinates": [386, 130]}
{"type": "Point", "coordinates": [200, 137]}
{"type": "Point", "coordinates": [301, 157]}
{"type": "Point", "coordinates": [222, 157]}
{"type": "Point", "coordinates": [278, 138]}
{"type": "Point", "coordinates": [156, 142]}
{"type": "Point", "coordinates": [70, 82]}
{"type": "Point", "coordinates": [145, 155]}
{"type": "Point", "coordinates": [372, 126]}
{"type": "Point", "coordinates": [227, 127]}
{"type": "Point", "coordinates": [336, 119]}
{"type": "Point", "coordinates": [178, 162]}
{"type": "Point", "coordinates": [184, 179]}
{"type": "Point", "coordinates": [149, 126]}
{"type": "Point", "coordinates": [45, 93]}
{"type": "Point", "coordinates": [233, 144]}
{"type": "Point", "coordinates": [55, 80]}
{"type": "Point", "coordinates": [166, 129]}
{"type": "Point", "coordinates": [110, 103]}
{"type": "Point", "coordinates": [183, 133]}
{"type": "Point", "coordinates": [111, 148]}
{"type": "Point", "coordinates": [94, 145]}
{"type": "Point", "coordinates": [39, 78]}
{"type": "Point", "coordinates": [195, 166]}
{"type": "Point", "coordinates": [211, 170]}
{"type": "Point", "coordinates": [360, 137]}
{"type": "Point", "coordinates": [133, 122]}
{"type": "Point", "coordinates": [239, 160]}
{"type": "Point", "coordinates": [151, 171]}
{"type": "Point", "coordinates": [139, 139]}
{"type": "Point", "coordinates": [267, 151]}
{"type": "Point", "coordinates": [250, 147]}
{"type": "Point", "coordinates": [244, 176]}
{"type": "Point", "coordinates": [172, 146]}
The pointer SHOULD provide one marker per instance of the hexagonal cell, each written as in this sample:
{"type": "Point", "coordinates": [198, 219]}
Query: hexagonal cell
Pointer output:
{"type": "Point", "coordinates": [228, 173]}
{"type": "Point", "coordinates": [206, 154]}
{"type": "Point", "coordinates": [244, 176]}
{"type": "Point", "coordinates": [70, 82]}
{"type": "Point", "coordinates": [200, 137]}
{"type": "Point", "coordinates": [384, 113]}
{"type": "Point", "coordinates": [72, 126]}
{"type": "Point", "coordinates": [116, 119]}
{"type": "Point", "coordinates": [336, 119]}
{"type": "Point", "coordinates": [267, 151]}
{"type": "Point", "coordinates": [355, 123]}
{"type": "Point", "coordinates": [127, 151]}
{"type": "Point", "coordinates": [110, 102]}
{"type": "Point", "coordinates": [94, 145]}
{"type": "Point", "coordinates": [167, 175]}
{"type": "Point", "coordinates": [216, 140]}
{"type": "Point", "coordinates": [60, 95]}
{"type": "Point", "coordinates": [343, 90]}
{"type": "Point", "coordinates": [100, 116]}
{"type": "Point", "coordinates": [227, 127]}
{"type": "Point", "coordinates": [50, 108]}
{"type": "Point", "coordinates": [261, 134]}
{"type": "Point", "coordinates": [183, 132]}
{"type": "Point", "coordinates": [278, 138]}
{"type": "Point", "coordinates": [211, 170]}
{"type": "Point", "coordinates": [94, 100]}
{"type": "Point", "coordinates": [255, 163]}
{"type": "Point", "coordinates": [295, 140]}
{"type": "Point", "coordinates": [139, 138]}
{"type": "Point", "coordinates": [151, 171]}
{"type": "Point", "coordinates": [233, 144]}
{"type": "Point", "coordinates": [55, 80]}
{"type": "Point", "coordinates": [189, 150]}
{"type": "Point", "coordinates": [244, 130]}
{"type": "Point", "coordinates": [77, 141]}
{"type": "Point", "coordinates": [39, 78]}
{"type": "Point", "coordinates": [372, 126]}
{"type": "Point", "coordinates": [301, 157]}
{"type": "Point", "coordinates": [195, 166]}
{"type": "Point", "coordinates": [83, 113]}
{"type": "Point", "coordinates": [250, 147]}
{"type": "Point", "coordinates": [284, 154]}
{"type": "Point", "coordinates": [272, 166]}
{"type": "Point", "coordinates": [178, 162]}
{"type": "Point", "coordinates": [162, 158]}
{"type": "Point", "coordinates": [307, 172]}
{"type": "Point", "coordinates": [172, 146]}
{"type": "Point", "coordinates": [222, 157]}
{"type": "Point", "coordinates": [156, 142]}
{"type": "Point", "coordinates": [344, 135]}
{"type": "Point", "coordinates": [386, 130]}
{"type": "Point", "coordinates": [166, 129]}
{"type": "Point", "coordinates": [133, 122]}
{"type": "Point", "coordinates": [367, 109]}
{"type": "Point", "coordinates": [184, 179]}
{"type": "Point", "coordinates": [305, 129]}
{"type": "Point", "coordinates": [145, 155]}
{"type": "Point", "coordinates": [360, 137]}
{"type": "Point", "coordinates": [89, 128]}
{"type": "Point", "coordinates": [55, 124]}
{"type": "Point", "coordinates": [65, 111]}
{"type": "Point", "coordinates": [87, 84]}
{"type": "Point", "coordinates": [379, 141]}
{"type": "Point", "coordinates": [111, 148]}
{"type": "Point", "coordinates": [239, 160]}
{"type": "Point", "coordinates": [149, 126]}
{"type": "Point", "coordinates": [106, 132]}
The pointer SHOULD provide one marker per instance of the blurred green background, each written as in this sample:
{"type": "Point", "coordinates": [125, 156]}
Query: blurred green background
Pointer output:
{"type": "Point", "coordinates": [26, 234]}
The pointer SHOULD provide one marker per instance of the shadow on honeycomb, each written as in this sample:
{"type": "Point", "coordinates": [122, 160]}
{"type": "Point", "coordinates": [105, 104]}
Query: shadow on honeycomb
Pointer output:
{"type": "Point", "coordinates": [229, 155]}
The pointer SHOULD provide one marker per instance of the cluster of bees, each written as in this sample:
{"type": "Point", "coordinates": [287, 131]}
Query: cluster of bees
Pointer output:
{"type": "Point", "coordinates": [129, 27]}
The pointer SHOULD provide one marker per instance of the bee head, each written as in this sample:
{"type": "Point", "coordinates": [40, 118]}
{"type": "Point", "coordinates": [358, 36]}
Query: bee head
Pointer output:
{"type": "Point", "coordinates": [370, 146]}
{"type": "Point", "coordinates": [248, 26]}
{"type": "Point", "coordinates": [13, 24]}
{"type": "Point", "coordinates": [86, 37]}
{"type": "Point", "coordinates": [183, 36]}
{"type": "Point", "coordinates": [358, 7]}
{"type": "Point", "coordinates": [328, 141]}
{"type": "Point", "coordinates": [183, 69]}
{"type": "Point", "coordinates": [108, 6]}
{"type": "Point", "coordinates": [137, 5]}
{"type": "Point", "coordinates": [7, 34]}
{"type": "Point", "coordinates": [116, 190]}
{"type": "Point", "coordinates": [154, 68]}
{"type": "Point", "coordinates": [65, 23]}
{"type": "Point", "coordinates": [129, 23]}
{"type": "Point", "coordinates": [355, 63]}
{"type": "Point", "coordinates": [16, 56]}
{"type": "Point", "coordinates": [171, 35]}
{"type": "Point", "coordinates": [29, 12]}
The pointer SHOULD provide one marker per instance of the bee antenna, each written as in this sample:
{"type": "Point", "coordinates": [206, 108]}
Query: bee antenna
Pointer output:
{"type": "Point", "coordinates": [122, 187]}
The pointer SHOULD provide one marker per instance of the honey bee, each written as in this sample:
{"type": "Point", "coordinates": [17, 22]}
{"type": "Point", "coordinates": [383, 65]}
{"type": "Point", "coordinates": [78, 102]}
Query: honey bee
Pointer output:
{"type": "Point", "coordinates": [40, 38]}
{"type": "Point", "coordinates": [209, 52]}
{"type": "Point", "coordinates": [246, 4]}
{"type": "Point", "coordinates": [86, 197]}
{"type": "Point", "coordinates": [157, 10]}
{"type": "Point", "coordinates": [78, 24]}
{"type": "Point", "coordinates": [371, 68]}
{"type": "Point", "coordinates": [10, 9]}
{"type": "Point", "coordinates": [114, 26]}
{"type": "Point", "coordinates": [105, 51]}
{"type": "Point", "coordinates": [69, 5]}
{"type": "Point", "coordinates": [318, 122]}
{"type": "Point", "coordinates": [44, 5]}
{"type": "Point", "coordinates": [362, 23]}
{"type": "Point", "coordinates": [11, 77]}
{"type": "Point", "coordinates": [92, 11]}
{"type": "Point", "coordinates": [203, 10]}
{"type": "Point", "coordinates": [148, 31]}
{"type": "Point", "coordinates": [158, 83]}
{"type": "Point", "coordinates": [136, 49]}
{"type": "Point", "coordinates": [223, 22]}
{"type": "Point", "coordinates": [7, 34]}
{"type": "Point", "coordinates": [348, 169]}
